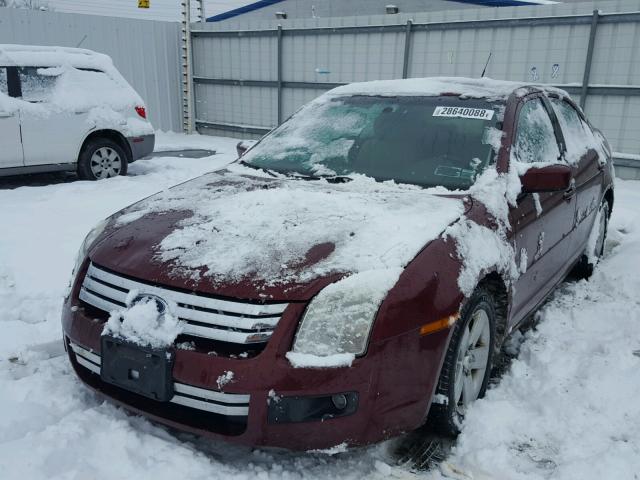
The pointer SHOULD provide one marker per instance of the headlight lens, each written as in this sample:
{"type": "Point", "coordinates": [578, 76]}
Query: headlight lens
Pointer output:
{"type": "Point", "coordinates": [340, 317]}
{"type": "Point", "coordinates": [86, 245]}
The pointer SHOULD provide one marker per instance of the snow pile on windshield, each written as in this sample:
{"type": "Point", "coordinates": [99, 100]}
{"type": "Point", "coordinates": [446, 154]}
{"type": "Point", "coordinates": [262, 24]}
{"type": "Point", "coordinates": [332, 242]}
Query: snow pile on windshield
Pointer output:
{"type": "Point", "coordinates": [142, 324]}
{"type": "Point", "coordinates": [467, 87]}
{"type": "Point", "coordinates": [283, 230]}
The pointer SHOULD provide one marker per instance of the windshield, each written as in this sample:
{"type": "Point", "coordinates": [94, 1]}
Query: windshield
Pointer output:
{"type": "Point", "coordinates": [427, 141]}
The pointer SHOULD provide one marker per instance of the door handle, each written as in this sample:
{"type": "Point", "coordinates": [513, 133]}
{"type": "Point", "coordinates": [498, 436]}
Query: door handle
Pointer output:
{"type": "Point", "coordinates": [569, 193]}
{"type": "Point", "coordinates": [5, 114]}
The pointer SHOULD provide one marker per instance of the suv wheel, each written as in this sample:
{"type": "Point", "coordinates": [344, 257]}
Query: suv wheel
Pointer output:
{"type": "Point", "coordinates": [467, 365]}
{"type": "Point", "coordinates": [102, 158]}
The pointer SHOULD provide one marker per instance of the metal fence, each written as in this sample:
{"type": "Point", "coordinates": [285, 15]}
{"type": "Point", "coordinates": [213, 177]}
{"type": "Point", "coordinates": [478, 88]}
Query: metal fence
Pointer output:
{"type": "Point", "coordinates": [247, 80]}
{"type": "Point", "coordinates": [146, 52]}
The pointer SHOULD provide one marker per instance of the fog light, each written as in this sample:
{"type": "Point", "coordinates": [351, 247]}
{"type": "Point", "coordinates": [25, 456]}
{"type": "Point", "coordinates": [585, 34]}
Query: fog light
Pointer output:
{"type": "Point", "coordinates": [308, 409]}
{"type": "Point", "coordinates": [339, 401]}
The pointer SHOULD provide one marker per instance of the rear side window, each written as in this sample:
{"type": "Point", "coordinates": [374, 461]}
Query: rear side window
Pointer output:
{"type": "Point", "coordinates": [535, 138]}
{"type": "Point", "coordinates": [36, 85]}
{"type": "Point", "coordinates": [577, 134]}
{"type": "Point", "coordinates": [4, 85]}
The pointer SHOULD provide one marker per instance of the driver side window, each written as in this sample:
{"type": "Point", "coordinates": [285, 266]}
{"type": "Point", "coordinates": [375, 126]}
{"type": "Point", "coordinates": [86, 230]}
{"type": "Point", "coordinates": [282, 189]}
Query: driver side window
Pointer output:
{"type": "Point", "coordinates": [535, 138]}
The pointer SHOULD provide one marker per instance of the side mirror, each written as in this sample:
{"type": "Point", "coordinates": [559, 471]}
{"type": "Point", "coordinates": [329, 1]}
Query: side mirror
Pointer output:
{"type": "Point", "coordinates": [243, 146]}
{"type": "Point", "coordinates": [551, 178]}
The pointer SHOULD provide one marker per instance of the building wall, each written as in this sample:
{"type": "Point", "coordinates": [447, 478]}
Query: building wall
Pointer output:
{"type": "Point", "coordinates": [553, 49]}
{"type": "Point", "coordinates": [296, 9]}
{"type": "Point", "coordinates": [146, 52]}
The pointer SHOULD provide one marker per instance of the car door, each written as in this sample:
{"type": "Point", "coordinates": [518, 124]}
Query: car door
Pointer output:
{"type": "Point", "coordinates": [542, 222]}
{"type": "Point", "coordinates": [588, 170]}
{"type": "Point", "coordinates": [10, 146]}
{"type": "Point", "coordinates": [51, 134]}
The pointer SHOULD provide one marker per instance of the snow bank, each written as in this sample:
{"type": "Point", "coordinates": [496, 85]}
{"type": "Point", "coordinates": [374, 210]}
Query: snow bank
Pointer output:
{"type": "Point", "coordinates": [568, 406]}
{"type": "Point", "coordinates": [281, 230]}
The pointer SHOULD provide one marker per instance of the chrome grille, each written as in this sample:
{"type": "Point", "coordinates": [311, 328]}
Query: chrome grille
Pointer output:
{"type": "Point", "coordinates": [187, 395]}
{"type": "Point", "coordinates": [215, 319]}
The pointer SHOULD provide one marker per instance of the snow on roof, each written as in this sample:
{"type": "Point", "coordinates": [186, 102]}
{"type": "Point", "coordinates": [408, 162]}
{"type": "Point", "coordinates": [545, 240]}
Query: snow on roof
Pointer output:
{"type": "Point", "coordinates": [435, 86]}
{"type": "Point", "coordinates": [46, 56]}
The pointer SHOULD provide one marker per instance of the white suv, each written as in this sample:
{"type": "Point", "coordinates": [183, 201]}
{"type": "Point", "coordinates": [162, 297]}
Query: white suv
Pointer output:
{"type": "Point", "coordinates": [68, 109]}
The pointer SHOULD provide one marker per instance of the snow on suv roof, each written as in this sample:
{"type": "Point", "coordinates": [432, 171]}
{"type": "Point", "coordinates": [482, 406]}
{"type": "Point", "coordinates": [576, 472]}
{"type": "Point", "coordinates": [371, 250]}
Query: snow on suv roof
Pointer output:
{"type": "Point", "coordinates": [41, 56]}
{"type": "Point", "coordinates": [435, 86]}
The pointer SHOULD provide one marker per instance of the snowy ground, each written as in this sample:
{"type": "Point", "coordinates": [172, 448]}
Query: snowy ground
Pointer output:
{"type": "Point", "coordinates": [568, 408]}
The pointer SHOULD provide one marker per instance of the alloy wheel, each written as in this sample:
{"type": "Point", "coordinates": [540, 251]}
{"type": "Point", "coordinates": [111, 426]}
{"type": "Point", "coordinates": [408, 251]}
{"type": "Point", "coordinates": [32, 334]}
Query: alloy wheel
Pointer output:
{"type": "Point", "coordinates": [472, 360]}
{"type": "Point", "coordinates": [105, 163]}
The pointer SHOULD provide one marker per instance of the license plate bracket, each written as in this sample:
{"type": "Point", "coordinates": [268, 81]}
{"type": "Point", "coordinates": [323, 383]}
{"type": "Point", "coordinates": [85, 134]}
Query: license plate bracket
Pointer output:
{"type": "Point", "coordinates": [142, 370]}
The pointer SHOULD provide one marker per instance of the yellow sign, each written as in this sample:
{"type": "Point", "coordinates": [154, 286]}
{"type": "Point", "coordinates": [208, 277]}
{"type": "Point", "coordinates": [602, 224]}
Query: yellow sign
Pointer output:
{"type": "Point", "coordinates": [143, 3]}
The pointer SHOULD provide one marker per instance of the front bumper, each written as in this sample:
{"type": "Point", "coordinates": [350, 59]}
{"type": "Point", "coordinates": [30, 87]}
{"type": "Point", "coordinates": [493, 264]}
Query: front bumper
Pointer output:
{"type": "Point", "coordinates": [240, 411]}
{"type": "Point", "coordinates": [141, 146]}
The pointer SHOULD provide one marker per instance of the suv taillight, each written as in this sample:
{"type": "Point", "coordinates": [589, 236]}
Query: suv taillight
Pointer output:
{"type": "Point", "coordinates": [141, 111]}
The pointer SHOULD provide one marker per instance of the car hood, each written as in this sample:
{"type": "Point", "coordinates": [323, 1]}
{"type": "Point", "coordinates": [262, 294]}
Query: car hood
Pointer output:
{"type": "Point", "coordinates": [244, 234]}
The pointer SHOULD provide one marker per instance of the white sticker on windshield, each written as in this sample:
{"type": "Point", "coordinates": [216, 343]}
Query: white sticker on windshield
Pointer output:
{"type": "Point", "coordinates": [463, 112]}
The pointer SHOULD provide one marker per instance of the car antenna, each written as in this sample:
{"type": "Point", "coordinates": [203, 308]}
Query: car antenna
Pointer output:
{"type": "Point", "coordinates": [486, 65]}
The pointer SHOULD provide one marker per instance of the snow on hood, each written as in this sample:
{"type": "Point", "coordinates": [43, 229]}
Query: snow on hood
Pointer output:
{"type": "Point", "coordinates": [436, 86]}
{"type": "Point", "coordinates": [281, 230]}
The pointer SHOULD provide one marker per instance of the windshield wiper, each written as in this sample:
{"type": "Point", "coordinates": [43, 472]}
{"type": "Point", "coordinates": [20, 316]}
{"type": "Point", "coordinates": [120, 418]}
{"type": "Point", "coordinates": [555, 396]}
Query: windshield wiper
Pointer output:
{"type": "Point", "coordinates": [328, 178]}
{"type": "Point", "coordinates": [273, 173]}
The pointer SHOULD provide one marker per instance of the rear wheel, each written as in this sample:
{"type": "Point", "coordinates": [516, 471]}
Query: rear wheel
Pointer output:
{"type": "Point", "coordinates": [102, 158]}
{"type": "Point", "coordinates": [595, 245]}
{"type": "Point", "coordinates": [465, 372]}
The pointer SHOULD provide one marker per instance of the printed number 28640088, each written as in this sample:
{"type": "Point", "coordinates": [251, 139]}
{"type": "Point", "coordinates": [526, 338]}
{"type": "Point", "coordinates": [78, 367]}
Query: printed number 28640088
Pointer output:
{"type": "Point", "coordinates": [463, 112]}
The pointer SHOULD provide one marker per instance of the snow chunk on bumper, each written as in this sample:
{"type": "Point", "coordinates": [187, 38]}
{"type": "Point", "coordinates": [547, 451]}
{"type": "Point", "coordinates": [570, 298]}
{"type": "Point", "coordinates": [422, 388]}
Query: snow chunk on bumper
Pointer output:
{"type": "Point", "coordinates": [143, 325]}
{"type": "Point", "coordinates": [307, 360]}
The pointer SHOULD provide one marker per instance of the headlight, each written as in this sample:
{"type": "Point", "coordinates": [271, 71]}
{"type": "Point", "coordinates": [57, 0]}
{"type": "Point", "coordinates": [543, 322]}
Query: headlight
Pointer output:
{"type": "Point", "coordinates": [340, 317]}
{"type": "Point", "coordinates": [86, 245]}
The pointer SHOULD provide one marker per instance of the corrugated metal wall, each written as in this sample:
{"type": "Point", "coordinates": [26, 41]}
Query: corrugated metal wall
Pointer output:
{"type": "Point", "coordinates": [147, 53]}
{"type": "Point", "coordinates": [247, 79]}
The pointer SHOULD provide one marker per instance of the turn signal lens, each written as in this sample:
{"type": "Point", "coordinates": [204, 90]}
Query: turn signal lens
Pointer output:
{"type": "Point", "coordinates": [438, 325]}
{"type": "Point", "coordinates": [141, 111]}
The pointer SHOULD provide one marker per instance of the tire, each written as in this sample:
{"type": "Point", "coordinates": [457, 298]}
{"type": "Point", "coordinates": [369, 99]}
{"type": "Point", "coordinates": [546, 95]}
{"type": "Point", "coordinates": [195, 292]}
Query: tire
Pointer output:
{"type": "Point", "coordinates": [587, 263]}
{"type": "Point", "coordinates": [446, 416]}
{"type": "Point", "coordinates": [102, 158]}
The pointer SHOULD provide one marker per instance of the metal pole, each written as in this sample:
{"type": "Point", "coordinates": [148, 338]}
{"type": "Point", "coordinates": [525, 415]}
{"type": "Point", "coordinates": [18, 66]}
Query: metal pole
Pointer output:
{"type": "Point", "coordinates": [589, 59]}
{"type": "Point", "coordinates": [279, 72]}
{"type": "Point", "coordinates": [407, 49]}
{"type": "Point", "coordinates": [187, 74]}
{"type": "Point", "coordinates": [203, 17]}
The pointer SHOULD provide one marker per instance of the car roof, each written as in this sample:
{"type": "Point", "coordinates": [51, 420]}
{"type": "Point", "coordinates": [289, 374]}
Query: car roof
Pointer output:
{"type": "Point", "coordinates": [485, 88]}
{"type": "Point", "coordinates": [48, 56]}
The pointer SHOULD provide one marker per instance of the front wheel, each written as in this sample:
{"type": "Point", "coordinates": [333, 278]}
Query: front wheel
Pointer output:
{"type": "Point", "coordinates": [467, 365]}
{"type": "Point", "coordinates": [102, 158]}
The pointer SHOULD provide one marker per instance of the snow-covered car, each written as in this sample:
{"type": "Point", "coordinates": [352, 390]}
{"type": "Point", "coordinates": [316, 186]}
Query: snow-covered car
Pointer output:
{"type": "Point", "coordinates": [354, 274]}
{"type": "Point", "coordinates": [68, 109]}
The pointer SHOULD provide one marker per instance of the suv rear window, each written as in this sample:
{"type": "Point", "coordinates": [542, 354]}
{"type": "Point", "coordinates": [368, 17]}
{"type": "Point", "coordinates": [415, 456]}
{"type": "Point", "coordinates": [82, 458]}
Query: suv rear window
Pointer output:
{"type": "Point", "coordinates": [36, 85]}
{"type": "Point", "coordinates": [4, 85]}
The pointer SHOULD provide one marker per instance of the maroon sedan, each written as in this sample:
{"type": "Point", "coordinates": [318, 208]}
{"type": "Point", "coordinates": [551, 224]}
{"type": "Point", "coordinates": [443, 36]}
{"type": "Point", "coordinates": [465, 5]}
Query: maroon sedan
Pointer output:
{"type": "Point", "coordinates": [354, 274]}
